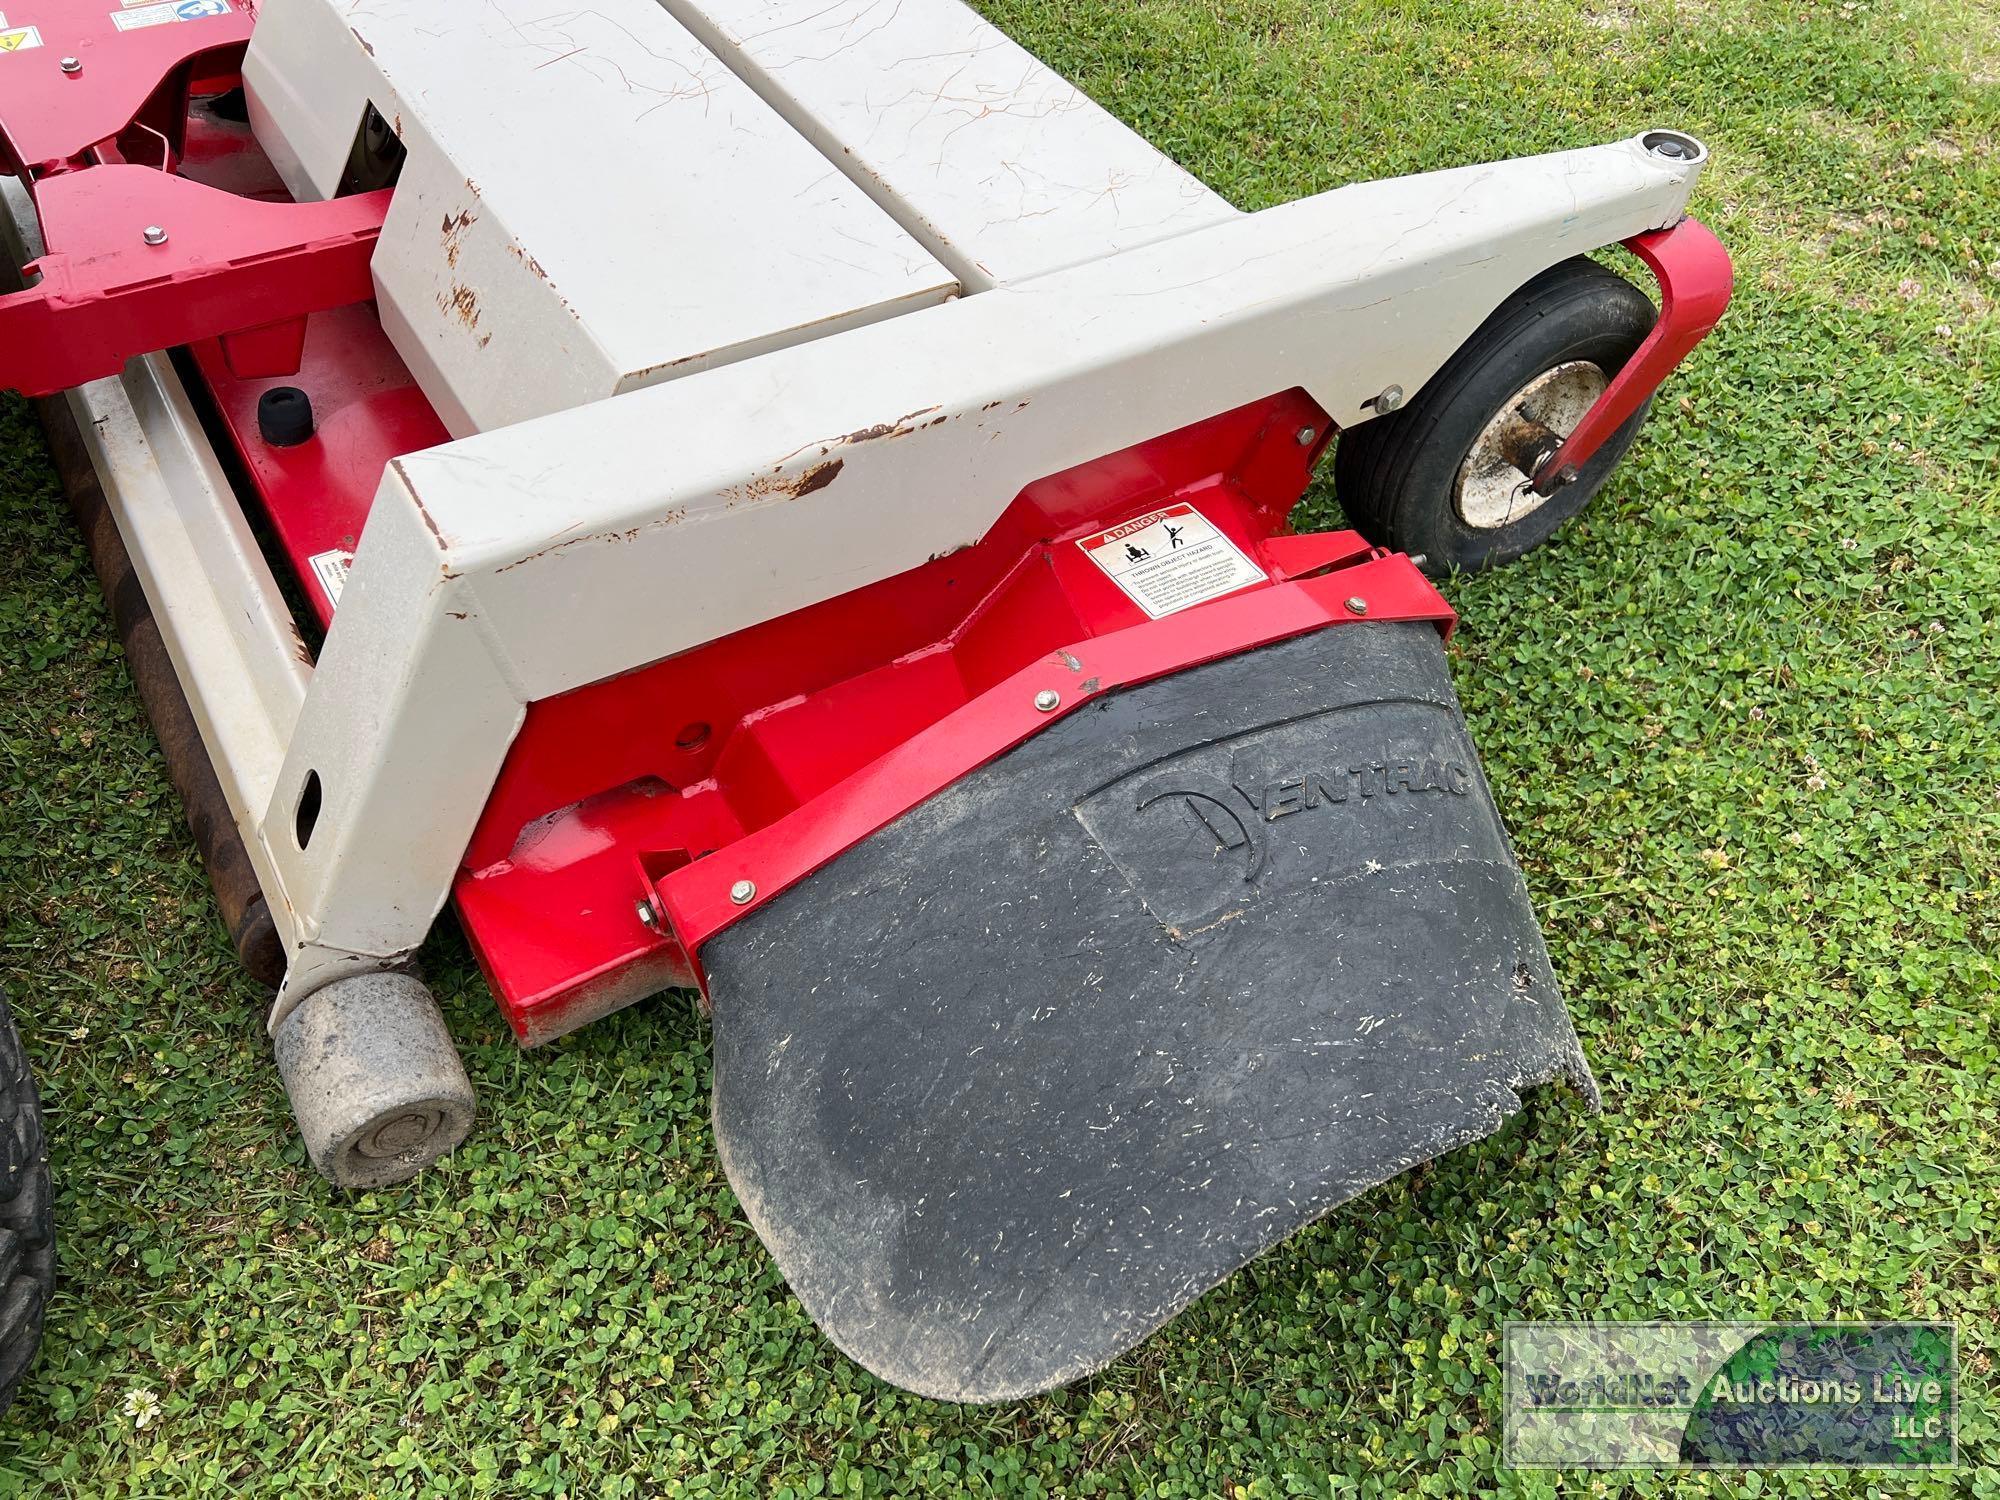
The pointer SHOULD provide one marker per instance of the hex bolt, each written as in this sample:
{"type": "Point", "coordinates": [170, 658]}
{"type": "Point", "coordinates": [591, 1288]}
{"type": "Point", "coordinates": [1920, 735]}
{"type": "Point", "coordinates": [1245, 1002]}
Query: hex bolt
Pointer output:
{"type": "Point", "coordinates": [71, 65]}
{"type": "Point", "coordinates": [1356, 605]}
{"type": "Point", "coordinates": [1048, 700]}
{"type": "Point", "coordinates": [648, 917]}
{"type": "Point", "coordinates": [743, 892]}
{"type": "Point", "coordinates": [153, 234]}
{"type": "Point", "coordinates": [1390, 399]}
{"type": "Point", "coordinates": [1306, 435]}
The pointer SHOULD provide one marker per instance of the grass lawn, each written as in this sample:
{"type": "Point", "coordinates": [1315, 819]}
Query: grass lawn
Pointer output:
{"type": "Point", "coordinates": [1743, 719]}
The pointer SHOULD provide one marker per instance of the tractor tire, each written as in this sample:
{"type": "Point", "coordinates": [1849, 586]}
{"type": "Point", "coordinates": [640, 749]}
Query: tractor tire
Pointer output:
{"type": "Point", "coordinates": [27, 1213]}
{"type": "Point", "coordinates": [1431, 479]}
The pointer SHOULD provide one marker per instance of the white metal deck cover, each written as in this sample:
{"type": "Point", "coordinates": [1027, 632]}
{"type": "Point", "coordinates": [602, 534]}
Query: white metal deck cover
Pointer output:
{"type": "Point", "coordinates": [591, 201]}
{"type": "Point", "coordinates": [1002, 167]}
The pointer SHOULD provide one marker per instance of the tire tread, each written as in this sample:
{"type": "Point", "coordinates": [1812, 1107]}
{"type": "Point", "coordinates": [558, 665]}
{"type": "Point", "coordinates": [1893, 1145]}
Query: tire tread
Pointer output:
{"type": "Point", "coordinates": [1372, 462]}
{"type": "Point", "coordinates": [27, 1224]}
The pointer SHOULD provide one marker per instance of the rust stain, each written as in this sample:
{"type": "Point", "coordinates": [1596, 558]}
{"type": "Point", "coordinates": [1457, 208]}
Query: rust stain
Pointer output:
{"type": "Point", "coordinates": [901, 427]}
{"type": "Point", "coordinates": [777, 485]}
{"type": "Point", "coordinates": [515, 250]}
{"type": "Point", "coordinates": [579, 541]}
{"type": "Point", "coordinates": [396, 464]}
{"type": "Point", "coordinates": [462, 300]}
{"type": "Point", "coordinates": [818, 477]}
{"type": "Point", "coordinates": [453, 234]}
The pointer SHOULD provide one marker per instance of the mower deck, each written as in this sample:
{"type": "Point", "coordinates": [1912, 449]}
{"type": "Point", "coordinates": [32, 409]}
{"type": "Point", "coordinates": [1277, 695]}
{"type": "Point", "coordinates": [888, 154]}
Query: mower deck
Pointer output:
{"type": "Point", "coordinates": [796, 498]}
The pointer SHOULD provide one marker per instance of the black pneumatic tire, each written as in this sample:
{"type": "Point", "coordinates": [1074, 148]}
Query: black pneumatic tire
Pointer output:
{"type": "Point", "coordinates": [1396, 476]}
{"type": "Point", "coordinates": [27, 1213]}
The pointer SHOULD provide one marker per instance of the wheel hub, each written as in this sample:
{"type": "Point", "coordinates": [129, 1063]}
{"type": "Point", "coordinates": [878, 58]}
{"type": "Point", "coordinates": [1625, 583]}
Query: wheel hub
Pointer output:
{"type": "Point", "coordinates": [400, 1134]}
{"type": "Point", "coordinates": [1493, 487]}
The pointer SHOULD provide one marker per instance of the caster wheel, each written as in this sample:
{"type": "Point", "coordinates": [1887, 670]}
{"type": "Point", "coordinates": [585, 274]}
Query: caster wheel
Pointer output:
{"type": "Point", "coordinates": [27, 1214]}
{"type": "Point", "coordinates": [1444, 476]}
{"type": "Point", "coordinates": [374, 1080]}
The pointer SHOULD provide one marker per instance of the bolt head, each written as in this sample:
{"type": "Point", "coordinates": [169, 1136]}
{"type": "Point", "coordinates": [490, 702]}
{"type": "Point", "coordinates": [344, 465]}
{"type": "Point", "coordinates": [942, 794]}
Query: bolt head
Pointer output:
{"type": "Point", "coordinates": [1307, 435]}
{"type": "Point", "coordinates": [1390, 398]}
{"type": "Point", "coordinates": [743, 892]}
{"type": "Point", "coordinates": [153, 234]}
{"type": "Point", "coordinates": [1356, 605]}
{"type": "Point", "coordinates": [71, 65]}
{"type": "Point", "coordinates": [648, 918]}
{"type": "Point", "coordinates": [1048, 700]}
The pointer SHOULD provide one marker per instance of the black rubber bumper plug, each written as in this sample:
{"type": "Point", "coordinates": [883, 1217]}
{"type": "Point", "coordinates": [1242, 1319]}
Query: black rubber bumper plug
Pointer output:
{"type": "Point", "coordinates": [284, 416]}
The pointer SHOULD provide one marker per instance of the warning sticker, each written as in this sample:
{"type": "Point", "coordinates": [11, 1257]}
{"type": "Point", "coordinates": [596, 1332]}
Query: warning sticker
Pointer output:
{"type": "Point", "coordinates": [1171, 559]}
{"type": "Point", "coordinates": [330, 568]}
{"type": "Point", "coordinates": [167, 13]}
{"type": "Point", "coordinates": [20, 39]}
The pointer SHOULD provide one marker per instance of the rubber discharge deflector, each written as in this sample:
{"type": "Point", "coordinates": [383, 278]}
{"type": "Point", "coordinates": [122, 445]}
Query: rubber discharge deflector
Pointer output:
{"type": "Point", "coordinates": [1009, 1084]}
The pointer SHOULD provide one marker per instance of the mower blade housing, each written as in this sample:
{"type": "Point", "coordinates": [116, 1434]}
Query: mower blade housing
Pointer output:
{"type": "Point", "coordinates": [1010, 1083]}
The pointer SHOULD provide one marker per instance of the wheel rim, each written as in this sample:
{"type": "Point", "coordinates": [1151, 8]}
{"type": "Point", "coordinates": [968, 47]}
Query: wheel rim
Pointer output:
{"type": "Point", "coordinates": [1493, 489]}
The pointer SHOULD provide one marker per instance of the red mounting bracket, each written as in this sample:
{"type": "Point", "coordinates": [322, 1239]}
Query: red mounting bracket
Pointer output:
{"type": "Point", "coordinates": [1695, 279]}
{"type": "Point", "coordinates": [139, 259]}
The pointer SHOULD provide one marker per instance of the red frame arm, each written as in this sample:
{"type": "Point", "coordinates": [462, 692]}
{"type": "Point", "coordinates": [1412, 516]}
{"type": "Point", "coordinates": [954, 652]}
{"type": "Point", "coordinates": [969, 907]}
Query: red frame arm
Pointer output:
{"type": "Point", "coordinates": [227, 264]}
{"type": "Point", "coordinates": [1695, 279]}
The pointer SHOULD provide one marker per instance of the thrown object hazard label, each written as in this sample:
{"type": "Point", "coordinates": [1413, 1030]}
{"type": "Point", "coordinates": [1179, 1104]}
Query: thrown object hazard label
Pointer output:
{"type": "Point", "coordinates": [1171, 559]}
{"type": "Point", "coordinates": [331, 568]}
{"type": "Point", "coordinates": [167, 13]}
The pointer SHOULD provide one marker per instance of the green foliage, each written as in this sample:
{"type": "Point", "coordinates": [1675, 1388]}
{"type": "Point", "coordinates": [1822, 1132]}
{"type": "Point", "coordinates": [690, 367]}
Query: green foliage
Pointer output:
{"type": "Point", "coordinates": [1744, 719]}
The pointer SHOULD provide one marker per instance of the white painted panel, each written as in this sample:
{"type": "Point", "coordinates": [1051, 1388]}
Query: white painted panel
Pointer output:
{"type": "Point", "coordinates": [592, 201]}
{"type": "Point", "coordinates": [1001, 166]}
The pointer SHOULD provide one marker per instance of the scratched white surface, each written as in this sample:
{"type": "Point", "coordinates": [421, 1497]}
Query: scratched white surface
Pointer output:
{"type": "Point", "coordinates": [592, 200]}
{"type": "Point", "coordinates": [1003, 168]}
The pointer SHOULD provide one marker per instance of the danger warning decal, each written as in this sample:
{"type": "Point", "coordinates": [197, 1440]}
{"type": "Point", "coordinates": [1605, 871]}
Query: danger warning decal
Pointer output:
{"type": "Point", "coordinates": [18, 38]}
{"type": "Point", "coordinates": [1171, 559]}
{"type": "Point", "coordinates": [330, 568]}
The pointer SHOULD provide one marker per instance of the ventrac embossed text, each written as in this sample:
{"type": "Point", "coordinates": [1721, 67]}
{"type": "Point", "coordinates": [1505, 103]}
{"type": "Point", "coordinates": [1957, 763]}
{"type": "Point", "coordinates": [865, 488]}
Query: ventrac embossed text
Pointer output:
{"type": "Point", "coordinates": [1234, 813]}
{"type": "Point", "coordinates": [1307, 789]}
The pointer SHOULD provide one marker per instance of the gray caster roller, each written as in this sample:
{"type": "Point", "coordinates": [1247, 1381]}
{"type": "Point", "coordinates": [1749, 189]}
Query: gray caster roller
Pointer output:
{"type": "Point", "coordinates": [374, 1079]}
